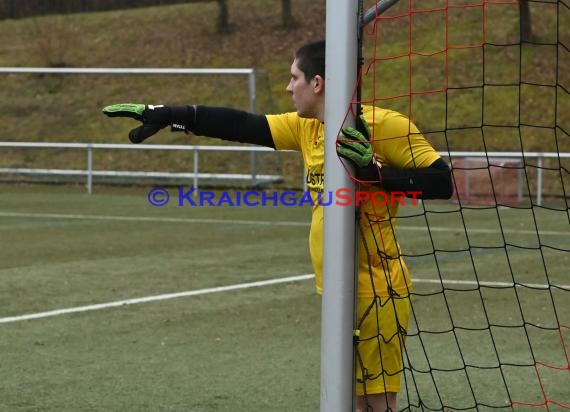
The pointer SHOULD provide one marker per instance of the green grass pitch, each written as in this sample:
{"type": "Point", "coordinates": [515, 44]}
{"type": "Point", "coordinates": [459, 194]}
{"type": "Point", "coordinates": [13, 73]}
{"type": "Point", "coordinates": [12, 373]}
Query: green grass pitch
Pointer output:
{"type": "Point", "coordinates": [254, 348]}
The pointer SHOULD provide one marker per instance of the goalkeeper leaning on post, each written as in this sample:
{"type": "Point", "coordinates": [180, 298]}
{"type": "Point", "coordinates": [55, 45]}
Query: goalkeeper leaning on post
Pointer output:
{"type": "Point", "coordinates": [388, 152]}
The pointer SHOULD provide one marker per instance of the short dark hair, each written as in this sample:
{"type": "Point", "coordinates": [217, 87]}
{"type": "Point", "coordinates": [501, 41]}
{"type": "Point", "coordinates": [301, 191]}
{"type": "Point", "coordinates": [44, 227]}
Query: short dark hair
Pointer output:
{"type": "Point", "coordinates": [311, 59]}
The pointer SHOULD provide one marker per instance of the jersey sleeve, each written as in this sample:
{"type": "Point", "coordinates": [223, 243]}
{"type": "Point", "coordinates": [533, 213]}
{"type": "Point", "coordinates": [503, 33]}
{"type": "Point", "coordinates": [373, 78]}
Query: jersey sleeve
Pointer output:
{"type": "Point", "coordinates": [285, 130]}
{"type": "Point", "coordinates": [398, 142]}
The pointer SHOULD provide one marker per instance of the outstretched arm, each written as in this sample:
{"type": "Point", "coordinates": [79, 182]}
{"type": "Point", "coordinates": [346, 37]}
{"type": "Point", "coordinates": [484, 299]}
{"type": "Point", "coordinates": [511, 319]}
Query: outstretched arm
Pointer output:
{"type": "Point", "coordinates": [219, 122]}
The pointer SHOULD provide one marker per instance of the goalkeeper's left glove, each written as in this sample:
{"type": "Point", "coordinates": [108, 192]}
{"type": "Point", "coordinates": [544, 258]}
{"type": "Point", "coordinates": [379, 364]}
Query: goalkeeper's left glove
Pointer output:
{"type": "Point", "coordinates": [354, 145]}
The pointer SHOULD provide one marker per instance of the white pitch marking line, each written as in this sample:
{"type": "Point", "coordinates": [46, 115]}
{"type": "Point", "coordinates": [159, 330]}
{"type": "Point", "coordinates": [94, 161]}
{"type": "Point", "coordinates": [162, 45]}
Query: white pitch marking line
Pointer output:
{"type": "Point", "coordinates": [260, 223]}
{"type": "Point", "coordinates": [483, 231]}
{"type": "Point", "coordinates": [490, 284]}
{"type": "Point", "coordinates": [155, 298]}
{"type": "Point", "coordinates": [269, 282]}
{"type": "Point", "coordinates": [152, 219]}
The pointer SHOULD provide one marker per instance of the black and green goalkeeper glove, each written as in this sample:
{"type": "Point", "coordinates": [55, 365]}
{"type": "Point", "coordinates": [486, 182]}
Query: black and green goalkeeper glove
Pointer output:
{"type": "Point", "coordinates": [354, 145]}
{"type": "Point", "coordinates": [153, 118]}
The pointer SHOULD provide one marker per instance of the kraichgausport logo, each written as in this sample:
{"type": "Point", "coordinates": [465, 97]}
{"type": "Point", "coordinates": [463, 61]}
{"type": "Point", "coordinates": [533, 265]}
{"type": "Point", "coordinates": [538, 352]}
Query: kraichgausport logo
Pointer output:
{"type": "Point", "coordinates": [341, 197]}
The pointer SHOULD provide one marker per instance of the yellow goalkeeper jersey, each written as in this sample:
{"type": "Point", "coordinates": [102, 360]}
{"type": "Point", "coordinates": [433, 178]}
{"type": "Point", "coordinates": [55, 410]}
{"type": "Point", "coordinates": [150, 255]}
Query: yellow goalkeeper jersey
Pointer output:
{"type": "Point", "coordinates": [397, 143]}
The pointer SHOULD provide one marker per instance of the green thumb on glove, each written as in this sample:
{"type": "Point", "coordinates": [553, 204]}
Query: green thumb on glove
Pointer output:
{"type": "Point", "coordinates": [355, 146]}
{"type": "Point", "coordinates": [153, 118]}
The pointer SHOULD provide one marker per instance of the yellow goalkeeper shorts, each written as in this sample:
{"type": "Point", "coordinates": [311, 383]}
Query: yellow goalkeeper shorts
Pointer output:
{"type": "Point", "coordinates": [383, 323]}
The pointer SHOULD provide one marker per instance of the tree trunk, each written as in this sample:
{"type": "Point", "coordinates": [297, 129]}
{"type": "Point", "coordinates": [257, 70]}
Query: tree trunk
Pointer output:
{"type": "Point", "coordinates": [526, 27]}
{"type": "Point", "coordinates": [223, 18]}
{"type": "Point", "coordinates": [287, 18]}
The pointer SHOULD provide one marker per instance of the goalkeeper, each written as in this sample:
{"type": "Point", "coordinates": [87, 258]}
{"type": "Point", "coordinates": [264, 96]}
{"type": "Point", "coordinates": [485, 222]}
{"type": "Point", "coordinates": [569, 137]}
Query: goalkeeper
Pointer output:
{"type": "Point", "coordinates": [389, 154]}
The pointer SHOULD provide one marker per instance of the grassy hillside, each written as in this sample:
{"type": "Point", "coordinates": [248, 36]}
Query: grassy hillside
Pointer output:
{"type": "Point", "coordinates": [467, 116]}
{"type": "Point", "coordinates": [167, 36]}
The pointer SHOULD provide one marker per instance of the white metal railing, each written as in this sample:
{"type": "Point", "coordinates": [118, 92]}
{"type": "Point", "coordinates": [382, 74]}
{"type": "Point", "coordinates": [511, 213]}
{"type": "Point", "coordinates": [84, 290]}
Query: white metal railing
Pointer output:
{"type": "Point", "coordinates": [89, 172]}
{"type": "Point", "coordinates": [249, 72]}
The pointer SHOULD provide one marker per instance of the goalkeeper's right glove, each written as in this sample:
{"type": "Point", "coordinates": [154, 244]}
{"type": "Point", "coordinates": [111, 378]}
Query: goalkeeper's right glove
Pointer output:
{"type": "Point", "coordinates": [153, 118]}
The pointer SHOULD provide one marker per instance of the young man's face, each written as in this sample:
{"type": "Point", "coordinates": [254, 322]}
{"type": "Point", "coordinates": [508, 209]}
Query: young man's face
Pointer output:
{"type": "Point", "coordinates": [304, 93]}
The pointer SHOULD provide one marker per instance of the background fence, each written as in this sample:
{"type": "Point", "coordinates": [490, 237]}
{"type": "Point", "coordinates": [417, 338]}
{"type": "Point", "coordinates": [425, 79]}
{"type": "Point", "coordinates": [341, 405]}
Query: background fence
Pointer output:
{"type": "Point", "coordinates": [477, 174]}
{"type": "Point", "coordinates": [253, 178]}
